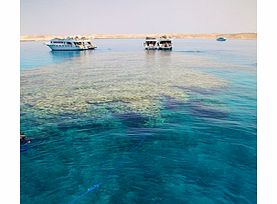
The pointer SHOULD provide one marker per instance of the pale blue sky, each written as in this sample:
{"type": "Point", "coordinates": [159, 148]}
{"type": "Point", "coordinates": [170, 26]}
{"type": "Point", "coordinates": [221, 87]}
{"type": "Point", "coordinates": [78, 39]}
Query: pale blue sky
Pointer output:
{"type": "Point", "coordinates": [68, 17]}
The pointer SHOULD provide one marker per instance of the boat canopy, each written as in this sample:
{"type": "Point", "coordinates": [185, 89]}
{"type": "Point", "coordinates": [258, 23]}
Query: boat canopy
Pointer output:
{"type": "Point", "coordinates": [150, 38]}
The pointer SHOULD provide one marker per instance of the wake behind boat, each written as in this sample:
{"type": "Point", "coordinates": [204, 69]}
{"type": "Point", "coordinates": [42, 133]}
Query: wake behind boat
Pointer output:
{"type": "Point", "coordinates": [70, 43]}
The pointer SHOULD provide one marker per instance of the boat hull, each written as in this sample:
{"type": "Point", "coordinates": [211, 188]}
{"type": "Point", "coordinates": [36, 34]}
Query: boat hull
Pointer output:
{"type": "Point", "coordinates": [151, 48]}
{"type": "Point", "coordinates": [165, 48]}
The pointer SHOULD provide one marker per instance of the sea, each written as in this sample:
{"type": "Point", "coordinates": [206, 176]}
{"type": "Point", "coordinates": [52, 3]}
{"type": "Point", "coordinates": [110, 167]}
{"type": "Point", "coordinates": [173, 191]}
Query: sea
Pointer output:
{"type": "Point", "coordinates": [121, 125]}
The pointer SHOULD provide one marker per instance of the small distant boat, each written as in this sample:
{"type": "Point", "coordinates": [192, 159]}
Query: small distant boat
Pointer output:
{"type": "Point", "coordinates": [70, 43]}
{"type": "Point", "coordinates": [164, 43]}
{"type": "Point", "coordinates": [221, 39]}
{"type": "Point", "coordinates": [151, 43]}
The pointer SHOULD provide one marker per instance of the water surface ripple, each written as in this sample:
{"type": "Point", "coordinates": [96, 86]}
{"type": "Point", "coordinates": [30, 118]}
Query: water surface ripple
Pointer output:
{"type": "Point", "coordinates": [124, 125]}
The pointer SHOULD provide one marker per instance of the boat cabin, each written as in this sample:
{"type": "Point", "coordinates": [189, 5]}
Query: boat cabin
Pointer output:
{"type": "Point", "coordinates": [151, 43]}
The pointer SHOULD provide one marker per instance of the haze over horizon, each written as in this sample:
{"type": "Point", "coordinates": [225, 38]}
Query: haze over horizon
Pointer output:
{"type": "Point", "coordinates": [67, 17]}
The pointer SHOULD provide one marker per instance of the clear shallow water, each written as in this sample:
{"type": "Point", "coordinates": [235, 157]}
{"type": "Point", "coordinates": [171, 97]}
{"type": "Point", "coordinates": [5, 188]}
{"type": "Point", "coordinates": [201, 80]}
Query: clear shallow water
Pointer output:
{"type": "Point", "coordinates": [174, 126]}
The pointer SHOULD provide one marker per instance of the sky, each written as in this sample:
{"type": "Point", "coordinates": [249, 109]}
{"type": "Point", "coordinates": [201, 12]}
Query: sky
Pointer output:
{"type": "Point", "coordinates": [67, 17]}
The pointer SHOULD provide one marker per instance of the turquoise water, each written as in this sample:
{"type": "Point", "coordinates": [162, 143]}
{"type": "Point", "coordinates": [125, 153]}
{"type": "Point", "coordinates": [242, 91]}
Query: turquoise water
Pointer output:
{"type": "Point", "coordinates": [122, 125]}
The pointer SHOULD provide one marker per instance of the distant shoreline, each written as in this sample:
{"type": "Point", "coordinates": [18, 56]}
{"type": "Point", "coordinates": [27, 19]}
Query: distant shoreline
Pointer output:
{"type": "Point", "coordinates": [245, 36]}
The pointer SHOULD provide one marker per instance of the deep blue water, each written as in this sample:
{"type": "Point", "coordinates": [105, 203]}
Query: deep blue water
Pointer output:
{"type": "Point", "coordinates": [201, 150]}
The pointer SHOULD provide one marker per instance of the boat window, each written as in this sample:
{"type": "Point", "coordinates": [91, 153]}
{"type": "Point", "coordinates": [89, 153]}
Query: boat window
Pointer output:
{"type": "Point", "coordinates": [151, 42]}
{"type": "Point", "coordinates": [69, 43]}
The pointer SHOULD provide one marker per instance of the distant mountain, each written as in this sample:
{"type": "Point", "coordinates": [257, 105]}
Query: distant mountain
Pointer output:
{"type": "Point", "coordinates": [139, 36]}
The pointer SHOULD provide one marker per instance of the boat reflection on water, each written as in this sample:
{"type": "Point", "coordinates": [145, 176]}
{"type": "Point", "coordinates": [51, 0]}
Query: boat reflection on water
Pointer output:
{"type": "Point", "coordinates": [149, 53]}
{"type": "Point", "coordinates": [58, 56]}
{"type": "Point", "coordinates": [157, 58]}
{"type": "Point", "coordinates": [66, 54]}
{"type": "Point", "coordinates": [164, 53]}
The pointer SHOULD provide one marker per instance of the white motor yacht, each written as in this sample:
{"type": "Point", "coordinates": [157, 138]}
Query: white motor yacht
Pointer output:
{"type": "Point", "coordinates": [164, 43]}
{"type": "Point", "coordinates": [70, 43]}
{"type": "Point", "coordinates": [151, 43]}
